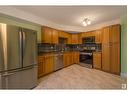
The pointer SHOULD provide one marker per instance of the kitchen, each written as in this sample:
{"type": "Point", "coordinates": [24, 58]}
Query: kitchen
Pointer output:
{"type": "Point", "coordinates": [93, 51]}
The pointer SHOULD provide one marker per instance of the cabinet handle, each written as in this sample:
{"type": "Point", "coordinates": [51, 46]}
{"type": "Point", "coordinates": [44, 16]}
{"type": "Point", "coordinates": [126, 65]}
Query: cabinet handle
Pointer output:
{"type": "Point", "coordinates": [4, 75]}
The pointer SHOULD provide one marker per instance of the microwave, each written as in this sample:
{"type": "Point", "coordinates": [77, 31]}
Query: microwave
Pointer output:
{"type": "Point", "coordinates": [90, 39]}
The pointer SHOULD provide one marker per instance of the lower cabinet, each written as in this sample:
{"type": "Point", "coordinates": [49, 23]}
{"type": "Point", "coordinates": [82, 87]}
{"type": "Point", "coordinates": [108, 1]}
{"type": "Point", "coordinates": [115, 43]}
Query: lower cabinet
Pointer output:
{"type": "Point", "coordinates": [67, 59]}
{"type": "Point", "coordinates": [41, 66]}
{"type": "Point", "coordinates": [45, 64]}
{"type": "Point", "coordinates": [49, 64]}
{"type": "Point", "coordinates": [75, 57]}
{"type": "Point", "coordinates": [70, 58]}
{"type": "Point", "coordinates": [97, 60]}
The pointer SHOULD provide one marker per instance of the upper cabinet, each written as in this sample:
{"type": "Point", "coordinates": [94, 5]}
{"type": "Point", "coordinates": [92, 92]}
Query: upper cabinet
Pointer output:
{"type": "Point", "coordinates": [105, 35]}
{"type": "Point", "coordinates": [115, 34]}
{"type": "Point", "coordinates": [49, 35]}
{"type": "Point", "coordinates": [75, 39]}
{"type": "Point", "coordinates": [80, 38]}
{"type": "Point", "coordinates": [55, 36]}
{"type": "Point", "coordinates": [69, 38]}
{"type": "Point", "coordinates": [96, 33]}
{"type": "Point", "coordinates": [98, 36]}
{"type": "Point", "coordinates": [87, 34]}
{"type": "Point", "coordinates": [65, 35]}
{"type": "Point", "coordinates": [46, 35]}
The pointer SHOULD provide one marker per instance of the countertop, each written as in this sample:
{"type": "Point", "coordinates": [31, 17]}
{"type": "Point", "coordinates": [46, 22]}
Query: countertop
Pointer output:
{"type": "Point", "coordinates": [54, 52]}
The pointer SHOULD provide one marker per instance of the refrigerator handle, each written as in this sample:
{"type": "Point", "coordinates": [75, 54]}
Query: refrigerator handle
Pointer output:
{"type": "Point", "coordinates": [20, 46]}
{"type": "Point", "coordinates": [24, 42]}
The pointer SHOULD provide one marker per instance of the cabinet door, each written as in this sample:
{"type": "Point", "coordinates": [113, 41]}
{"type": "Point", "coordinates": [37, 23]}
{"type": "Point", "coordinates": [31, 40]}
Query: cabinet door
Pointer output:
{"type": "Point", "coordinates": [69, 39]}
{"type": "Point", "coordinates": [105, 35]}
{"type": "Point", "coordinates": [74, 57]}
{"type": "Point", "coordinates": [106, 49]}
{"type": "Point", "coordinates": [46, 35]}
{"type": "Point", "coordinates": [48, 64]}
{"type": "Point", "coordinates": [106, 58]}
{"type": "Point", "coordinates": [97, 60]}
{"type": "Point", "coordinates": [115, 59]}
{"type": "Point", "coordinates": [98, 36]}
{"type": "Point", "coordinates": [55, 36]}
{"type": "Point", "coordinates": [70, 58]}
{"type": "Point", "coordinates": [62, 34]}
{"type": "Point", "coordinates": [115, 34]}
{"type": "Point", "coordinates": [115, 49]}
{"type": "Point", "coordinates": [65, 59]}
{"type": "Point", "coordinates": [80, 38]}
{"type": "Point", "coordinates": [77, 57]}
{"type": "Point", "coordinates": [41, 70]}
{"type": "Point", "coordinates": [74, 39]}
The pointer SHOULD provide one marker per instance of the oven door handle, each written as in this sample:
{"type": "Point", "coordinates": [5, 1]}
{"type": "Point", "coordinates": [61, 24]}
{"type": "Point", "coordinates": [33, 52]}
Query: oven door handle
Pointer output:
{"type": "Point", "coordinates": [86, 54]}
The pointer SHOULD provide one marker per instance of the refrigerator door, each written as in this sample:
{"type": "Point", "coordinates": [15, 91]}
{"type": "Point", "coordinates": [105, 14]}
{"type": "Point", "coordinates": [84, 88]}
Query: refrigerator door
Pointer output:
{"type": "Point", "coordinates": [1, 51]}
{"type": "Point", "coordinates": [14, 58]}
{"type": "Point", "coordinates": [29, 47]}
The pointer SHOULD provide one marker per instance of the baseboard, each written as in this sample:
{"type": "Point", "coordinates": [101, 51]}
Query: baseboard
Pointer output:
{"type": "Point", "coordinates": [124, 75]}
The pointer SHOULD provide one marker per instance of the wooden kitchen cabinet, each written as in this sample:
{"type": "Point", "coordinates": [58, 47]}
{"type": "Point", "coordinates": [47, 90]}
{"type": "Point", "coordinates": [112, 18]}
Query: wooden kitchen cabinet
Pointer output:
{"type": "Point", "coordinates": [115, 49]}
{"type": "Point", "coordinates": [80, 38]}
{"type": "Point", "coordinates": [70, 62]}
{"type": "Point", "coordinates": [49, 35]}
{"type": "Point", "coordinates": [115, 59]}
{"type": "Point", "coordinates": [49, 64]}
{"type": "Point", "coordinates": [97, 60]}
{"type": "Point", "coordinates": [111, 49]}
{"type": "Point", "coordinates": [45, 64]}
{"type": "Point", "coordinates": [41, 70]}
{"type": "Point", "coordinates": [63, 34]}
{"type": "Point", "coordinates": [75, 39]}
{"type": "Point", "coordinates": [106, 49]}
{"type": "Point", "coordinates": [55, 38]}
{"type": "Point", "coordinates": [67, 59]}
{"type": "Point", "coordinates": [75, 56]}
{"type": "Point", "coordinates": [69, 39]}
{"type": "Point", "coordinates": [88, 34]}
{"type": "Point", "coordinates": [46, 35]}
{"type": "Point", "coordinates": [115, 34]}
{"type": "Point", "coordinates": [98, 36]}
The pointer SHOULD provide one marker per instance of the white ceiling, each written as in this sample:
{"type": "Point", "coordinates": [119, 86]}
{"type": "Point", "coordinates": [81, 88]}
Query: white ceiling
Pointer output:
{"type": "Point", "coordinates": [74, 15]}
{"type": "Point", "coordinates": [67, 18]}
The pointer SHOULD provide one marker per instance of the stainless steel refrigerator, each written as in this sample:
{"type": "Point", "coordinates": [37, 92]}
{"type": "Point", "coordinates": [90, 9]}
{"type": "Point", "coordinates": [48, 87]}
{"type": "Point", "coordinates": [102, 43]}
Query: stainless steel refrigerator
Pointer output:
{"type": "Point", "coordinates": [18, 52]}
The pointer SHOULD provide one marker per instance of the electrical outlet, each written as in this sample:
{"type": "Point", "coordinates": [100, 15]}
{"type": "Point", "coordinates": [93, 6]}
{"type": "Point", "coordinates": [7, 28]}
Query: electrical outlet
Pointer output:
{"type": "Point", "coordinates": [124, 86]}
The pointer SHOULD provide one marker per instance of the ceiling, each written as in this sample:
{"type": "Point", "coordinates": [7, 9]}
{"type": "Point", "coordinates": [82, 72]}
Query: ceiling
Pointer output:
{"type": "Point", "coordinates": [74, 15]}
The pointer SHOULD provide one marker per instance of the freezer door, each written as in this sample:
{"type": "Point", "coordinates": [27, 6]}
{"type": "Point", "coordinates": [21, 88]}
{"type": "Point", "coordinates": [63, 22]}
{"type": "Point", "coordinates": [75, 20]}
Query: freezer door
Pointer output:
{"type": "Point", "coordinates": [29, 78]}
{"type": "Point", "coordinates": [1, 51]}
{"type": "Point", "coordinates": [11, 80]}
{"type": "Point", "coordinates": [29, 47]}
{"type": "Point", "coordinates": [22, 79]}
{"type": "Point", "coordinates": [14, 58]}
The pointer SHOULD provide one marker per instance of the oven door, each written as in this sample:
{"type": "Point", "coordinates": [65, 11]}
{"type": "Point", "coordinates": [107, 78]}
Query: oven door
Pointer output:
{"type": "Point", "coordinates": [86, 58]}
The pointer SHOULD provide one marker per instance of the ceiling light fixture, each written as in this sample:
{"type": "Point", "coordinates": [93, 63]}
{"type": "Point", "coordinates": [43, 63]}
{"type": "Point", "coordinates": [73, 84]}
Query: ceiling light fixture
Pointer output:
{"type": "Point", "coordinates": [86, 22]}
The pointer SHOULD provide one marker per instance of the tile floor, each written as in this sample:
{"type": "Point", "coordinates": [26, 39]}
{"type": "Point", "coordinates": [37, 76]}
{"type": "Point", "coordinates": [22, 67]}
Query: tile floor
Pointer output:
{"type": "Point", "coordinates": [78, 77]}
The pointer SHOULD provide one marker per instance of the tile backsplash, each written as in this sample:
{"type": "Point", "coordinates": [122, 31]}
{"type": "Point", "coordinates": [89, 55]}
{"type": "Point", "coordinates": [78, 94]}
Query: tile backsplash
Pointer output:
{"type": "Point", "coordinates": [42, 47]}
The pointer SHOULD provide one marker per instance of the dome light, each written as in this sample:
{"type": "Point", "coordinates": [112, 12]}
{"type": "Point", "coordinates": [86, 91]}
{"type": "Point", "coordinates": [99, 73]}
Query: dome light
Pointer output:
{"type": "Point", "coordinates": [86, 22]}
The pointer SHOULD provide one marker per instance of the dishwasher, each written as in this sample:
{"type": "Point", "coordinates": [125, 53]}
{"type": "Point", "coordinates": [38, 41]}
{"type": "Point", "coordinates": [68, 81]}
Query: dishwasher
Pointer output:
{"type": "Point", "coordinates": [58, 61]}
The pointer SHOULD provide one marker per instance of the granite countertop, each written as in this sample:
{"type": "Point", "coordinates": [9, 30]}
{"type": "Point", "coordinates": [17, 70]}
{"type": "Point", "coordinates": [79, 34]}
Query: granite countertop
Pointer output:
{"type": "Point", "coordinates": [98, 51]}
{"type": "Point", "coordinates": [45, 52]}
